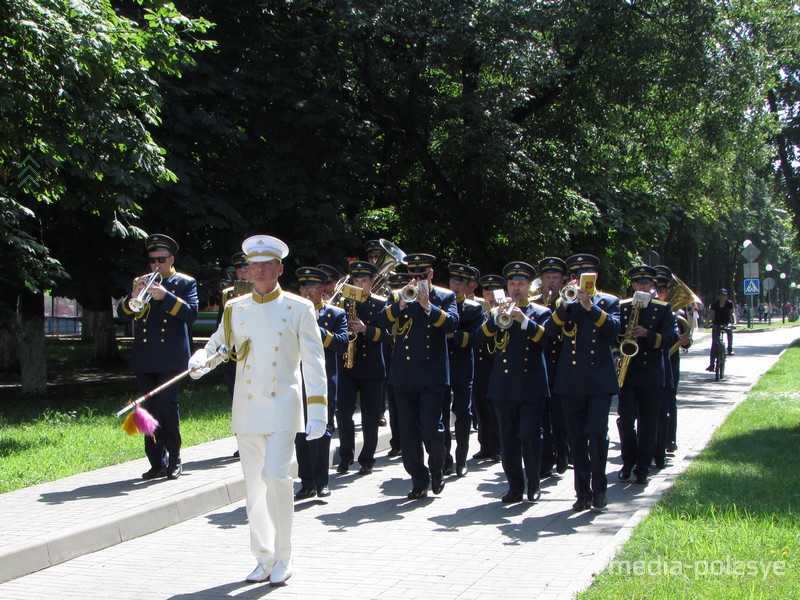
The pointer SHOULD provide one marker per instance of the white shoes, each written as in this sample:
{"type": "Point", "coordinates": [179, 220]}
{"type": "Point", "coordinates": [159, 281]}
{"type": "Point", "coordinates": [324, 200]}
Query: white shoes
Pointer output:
{"type": "Point", "coordinates": [281, 572]}
{"type": "Point", "coordinates": [260, 574]}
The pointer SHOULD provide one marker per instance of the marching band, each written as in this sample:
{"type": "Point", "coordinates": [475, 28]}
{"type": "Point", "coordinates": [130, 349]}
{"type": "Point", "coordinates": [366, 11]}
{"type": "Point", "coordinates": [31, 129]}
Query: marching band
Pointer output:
{"type": "Point", "coordinates": [532, 363]}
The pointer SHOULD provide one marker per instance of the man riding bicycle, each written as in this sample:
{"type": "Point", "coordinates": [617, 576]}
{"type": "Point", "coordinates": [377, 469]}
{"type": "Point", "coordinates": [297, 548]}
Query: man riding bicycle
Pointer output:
{"type": "Point", "coordinates": [721, 314]}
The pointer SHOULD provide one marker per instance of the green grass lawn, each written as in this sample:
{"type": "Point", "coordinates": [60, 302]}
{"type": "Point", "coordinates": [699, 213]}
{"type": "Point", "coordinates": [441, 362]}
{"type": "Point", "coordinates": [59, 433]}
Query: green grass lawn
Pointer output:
{"type": "Point", "coordinates": [730, 525]}
{"type": "Point", "coordinates": [74, 429]}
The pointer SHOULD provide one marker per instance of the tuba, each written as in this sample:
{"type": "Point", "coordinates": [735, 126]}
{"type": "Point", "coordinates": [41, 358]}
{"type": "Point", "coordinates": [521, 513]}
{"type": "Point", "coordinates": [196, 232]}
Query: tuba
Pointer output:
{"type": "Point", "coordinates": [138, 303]}
{"type": "Point", "coordinates": [628, 347]}
{"type": "Point", "coordinates": [680, 295]}
{"type": "Point", "coordinates": [387, 262]}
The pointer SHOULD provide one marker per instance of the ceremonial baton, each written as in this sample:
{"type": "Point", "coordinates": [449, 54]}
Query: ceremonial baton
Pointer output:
{"type": "Point", "coordinates": [221, 351]}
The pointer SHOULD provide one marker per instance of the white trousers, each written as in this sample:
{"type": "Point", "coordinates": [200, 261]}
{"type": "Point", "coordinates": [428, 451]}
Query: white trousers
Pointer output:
{"type": "Point", "coordinates": [266, 459]}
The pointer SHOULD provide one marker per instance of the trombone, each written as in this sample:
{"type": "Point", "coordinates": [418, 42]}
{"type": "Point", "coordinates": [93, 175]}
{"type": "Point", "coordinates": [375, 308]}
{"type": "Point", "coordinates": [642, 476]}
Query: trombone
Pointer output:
{"type": "Point", "coordinates": [138, 303]}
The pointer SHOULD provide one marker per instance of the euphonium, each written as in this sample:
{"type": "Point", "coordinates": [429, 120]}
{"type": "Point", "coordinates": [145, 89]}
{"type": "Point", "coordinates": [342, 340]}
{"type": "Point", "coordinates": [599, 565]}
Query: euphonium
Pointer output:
{"type": "Point", "coordinates": [138, 303]}
{"type": "Point", "coordinates": [628, 347]}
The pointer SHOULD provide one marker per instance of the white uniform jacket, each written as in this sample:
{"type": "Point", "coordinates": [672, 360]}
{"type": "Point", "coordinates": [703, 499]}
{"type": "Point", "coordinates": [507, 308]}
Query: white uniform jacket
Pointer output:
{"type": "Point", "coordinates": [283, 332]}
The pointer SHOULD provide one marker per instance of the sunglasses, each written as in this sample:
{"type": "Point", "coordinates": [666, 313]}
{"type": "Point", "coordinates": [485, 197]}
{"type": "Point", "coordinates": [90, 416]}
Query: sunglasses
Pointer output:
{"type": "Point", "coordinates": [158, 259]}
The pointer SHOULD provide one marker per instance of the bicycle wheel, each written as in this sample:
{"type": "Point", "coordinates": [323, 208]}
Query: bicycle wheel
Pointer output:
{"type": "Point", "coordinates": [719, 372]}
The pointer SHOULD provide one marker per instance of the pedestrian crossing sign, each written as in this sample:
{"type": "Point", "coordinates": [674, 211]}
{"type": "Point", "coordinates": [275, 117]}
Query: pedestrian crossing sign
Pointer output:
{"type": "Point", "coordinates": [752, 287]}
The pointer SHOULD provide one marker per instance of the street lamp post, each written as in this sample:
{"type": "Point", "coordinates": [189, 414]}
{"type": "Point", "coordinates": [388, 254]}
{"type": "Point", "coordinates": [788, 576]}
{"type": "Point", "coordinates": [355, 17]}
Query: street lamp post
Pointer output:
{"type": "Point", "coordinates": [783, 298]}
{"type": "Point", "coordinates": [767, 287]}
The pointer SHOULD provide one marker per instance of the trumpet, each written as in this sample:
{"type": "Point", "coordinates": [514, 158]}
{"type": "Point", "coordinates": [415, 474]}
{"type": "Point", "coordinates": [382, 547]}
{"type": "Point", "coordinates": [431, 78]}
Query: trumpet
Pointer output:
{"type": "Point", "coordinates": [502, 317]}
{"type": "Point", "coordinates": [138, 303]}
{"type": "Point", "coordinates": [410, 292]}
{"type": "Point", "coordinates": [569, 293]}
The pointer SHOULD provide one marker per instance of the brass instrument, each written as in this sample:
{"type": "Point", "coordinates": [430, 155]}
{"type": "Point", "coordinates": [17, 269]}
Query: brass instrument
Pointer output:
{"type": "Point", "coordinates": [502, 318]}
{"type": "Point", "coordinates": [391, 257]}
{"type": "Point", "coordinates": [409, 293]}
{"type": "Point", "coordinates": [569, 293]}
{"type": "Point", "coordinates": [680, 295]}
{"type": "Point", "coordinates": [138, 303]}
{"type": "Point", "coordinates": [353, 294]}
{"type": "Point", "coordinates": [628, 347]}
{"type": "Point", "coordinates": [242, 287]}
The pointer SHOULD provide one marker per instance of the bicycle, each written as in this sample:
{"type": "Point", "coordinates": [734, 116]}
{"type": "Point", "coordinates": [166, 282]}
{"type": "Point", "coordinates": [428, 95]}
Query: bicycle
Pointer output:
{"type": "Point", "coordinates": [720, 331]}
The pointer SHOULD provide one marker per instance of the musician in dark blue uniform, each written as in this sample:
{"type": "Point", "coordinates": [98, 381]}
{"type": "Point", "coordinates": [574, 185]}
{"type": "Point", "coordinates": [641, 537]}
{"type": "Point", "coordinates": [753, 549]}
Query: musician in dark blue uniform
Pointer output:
{"type": "Point", "coordinates": [488, 433]}
{"type": "Point", "coordinates": [555, 448]}
{"type": "Point", "coordinates": [313, 457]}
{"type": "Point", "coordinates": [650, 325]}
{"type": "Point", "coordinates": [518, 386]}
{"type": "Point", "coordinates": [396, 282]}
{"type": "Point", "coordinates": [420, 371]}
{"type": "Point", "coordinates": [161, 350]}
{"type": "Point", "coordinates": [586, 378]}
{"type": "Point", "coordinates": [332, 277]}
{"type": "Point", "coordinates": [365, 379]}
{"type": "Point", "coordinates": [458, 396]}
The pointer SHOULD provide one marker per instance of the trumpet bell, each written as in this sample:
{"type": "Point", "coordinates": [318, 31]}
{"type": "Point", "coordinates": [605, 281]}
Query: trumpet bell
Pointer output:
{"type": "Point", "coordinates": [503, 320]}
{"type": "Point", "coordinates": [409, 293]}
{"type": "Point", "coordinates": [569, 294]}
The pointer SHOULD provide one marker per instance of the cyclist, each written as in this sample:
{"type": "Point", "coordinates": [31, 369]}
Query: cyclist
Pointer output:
{"type": "Point", "coordinates": [721, 314]}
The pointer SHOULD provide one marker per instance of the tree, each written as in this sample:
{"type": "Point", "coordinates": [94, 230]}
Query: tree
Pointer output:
{"type": "Point", "coordinates": [79, 102]}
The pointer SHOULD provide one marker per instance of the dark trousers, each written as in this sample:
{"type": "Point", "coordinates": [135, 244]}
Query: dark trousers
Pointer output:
{"type": "Point", "coordinates": [394, 419]}
{"type": "Point", "coordinates": [457, 399]}
{"type": "Point", "coordinates": [637, 423]}
{"type": "Point", "coordinates": [587, 428]}
{"type": "Point", "coordinates": [521, 441]}
{"type": "Point", "coordinates": [488, 433]}
{"type": "Point", "coordinates": [313, 460]}
{"type": "Point", "coordinates": [164, 408]}
{"type": "Point", "coordinates": [668, 415]}
{"type": "Point", "coordinates": [369, 393]}
{"type": "Point", "coordinates": [420, 412]}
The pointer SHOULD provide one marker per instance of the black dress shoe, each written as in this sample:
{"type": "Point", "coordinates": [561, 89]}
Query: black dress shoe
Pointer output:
{"type": "Point", "coordinates": [305, 493]}
{"type": "Point", "coordinates": [461, 470]}
{"type": "Point", "coordinates": [599, 500]}
{"type": "Point", "coordinates": [661, 463]}
{"type": "Point", "coordinates": [545, 474]}
{"type": "Point", "coordinates": [236, 454]}
{"type": "Point", "coordinates": [624, 474]}
{"type": "Point", "coordinates": [417, 494]}
{"type": "Point", "coordinates": [561, 465]}
{"type": "Point", "coordinates": [365, 470]}
{"type": "Point", "coordinates": [482, 455]}
{"type": "Point", "coordinates": [511, 497]}
{"type": "Point", "coordinates": [447, 471]}
{"type": "Point", "coordinates": [496, 458]}
{"type": "Point", "coordinates": [671, 447]}
{"type": "Point", "coordinates": [174, 469]}
{"type": "Point", "coordinates": [323, 491]}
{"type": "Point", "coordinates": [394, 452]}
{"type": "Point", "coordinates": [641, 478]}
{"type": "Point", "coordinates": [344, 466]}
{"type": "Point", "coordinates": [437, 485]}
{"type": "Point", "coordinates": [155, 472]}
{"type": "Point", "coordinates": [534, 493]}
{"type": "Point", "coordinates": [582, 504]}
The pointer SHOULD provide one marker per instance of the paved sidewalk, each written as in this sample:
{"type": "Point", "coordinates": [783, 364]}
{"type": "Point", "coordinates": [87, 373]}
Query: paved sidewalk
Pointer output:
{"type": "Point", "coordinates": [365, 541]}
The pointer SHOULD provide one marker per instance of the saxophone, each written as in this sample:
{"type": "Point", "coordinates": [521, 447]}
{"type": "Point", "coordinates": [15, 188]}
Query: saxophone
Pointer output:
{"type": "Point", "coordinates": [353, 295]}
{"type": "Point", "coordinates": [628, 347]}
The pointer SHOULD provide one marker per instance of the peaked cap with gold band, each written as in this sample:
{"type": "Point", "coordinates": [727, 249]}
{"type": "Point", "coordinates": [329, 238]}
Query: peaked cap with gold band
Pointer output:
{"type": "Point", "coordinates": [519, 270]}
{"type": "Point", "coordinates": [418, 262]}
{"type": "Point", "coordinates": [311, 276]}
{"type": "Point", "coordinates": [642, 272]}
{"type": "Point", "coordinates": [262, 248]}
{"type": "Point", "coordinates": [551, 264]}
{"type": "Point", "coordinates": [332, 273]}
{"type": "Point", "coordinates": [579, 262]}
{"type": "Point", "coordinates": [663, 274]}
{"type": "Point", "coordinates": [461, 272]}
{"type": "Point", "coordinates": [362, 268]}
{"type": "Point", "coordinates": [373, 247]}
{"type": "Point", "coordinates": [398, 280]}
{"type": "Point", "coordinates": [492, 282]}
{"type": "Point", "coordinates": [159, 241]}
{"type": "Point", "coordinates": [239, 260]}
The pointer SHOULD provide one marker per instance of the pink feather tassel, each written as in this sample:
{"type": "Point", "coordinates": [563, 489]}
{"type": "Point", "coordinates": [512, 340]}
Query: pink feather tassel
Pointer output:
{"type": "Point", "coordinates": [145, 422]}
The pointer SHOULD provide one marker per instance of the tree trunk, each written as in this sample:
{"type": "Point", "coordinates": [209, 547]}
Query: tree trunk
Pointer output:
{"type": "Point", "coordinates": [87, 326]}
{"type": "Point", "coordinates": [105, 339]}
{"type": "Point", "coordinates": [30, 343]}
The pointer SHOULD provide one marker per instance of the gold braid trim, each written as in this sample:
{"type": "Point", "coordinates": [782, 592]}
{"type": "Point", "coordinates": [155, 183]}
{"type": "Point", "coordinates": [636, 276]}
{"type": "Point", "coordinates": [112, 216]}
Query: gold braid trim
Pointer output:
{"type": "Point", "coordinates": [403, 329]}
{"type": "Point", "coordinates": [240, 353]}
{"type": "Point", "coordinates": [502, 343]}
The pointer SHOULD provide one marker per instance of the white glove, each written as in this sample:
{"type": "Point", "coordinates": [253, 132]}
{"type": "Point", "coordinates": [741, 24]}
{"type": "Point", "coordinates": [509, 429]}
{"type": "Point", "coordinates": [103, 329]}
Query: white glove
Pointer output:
{"type": "Point", "coordinates": [315, 429]}
{"type": "Point", "coordinates": [198, 364]}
